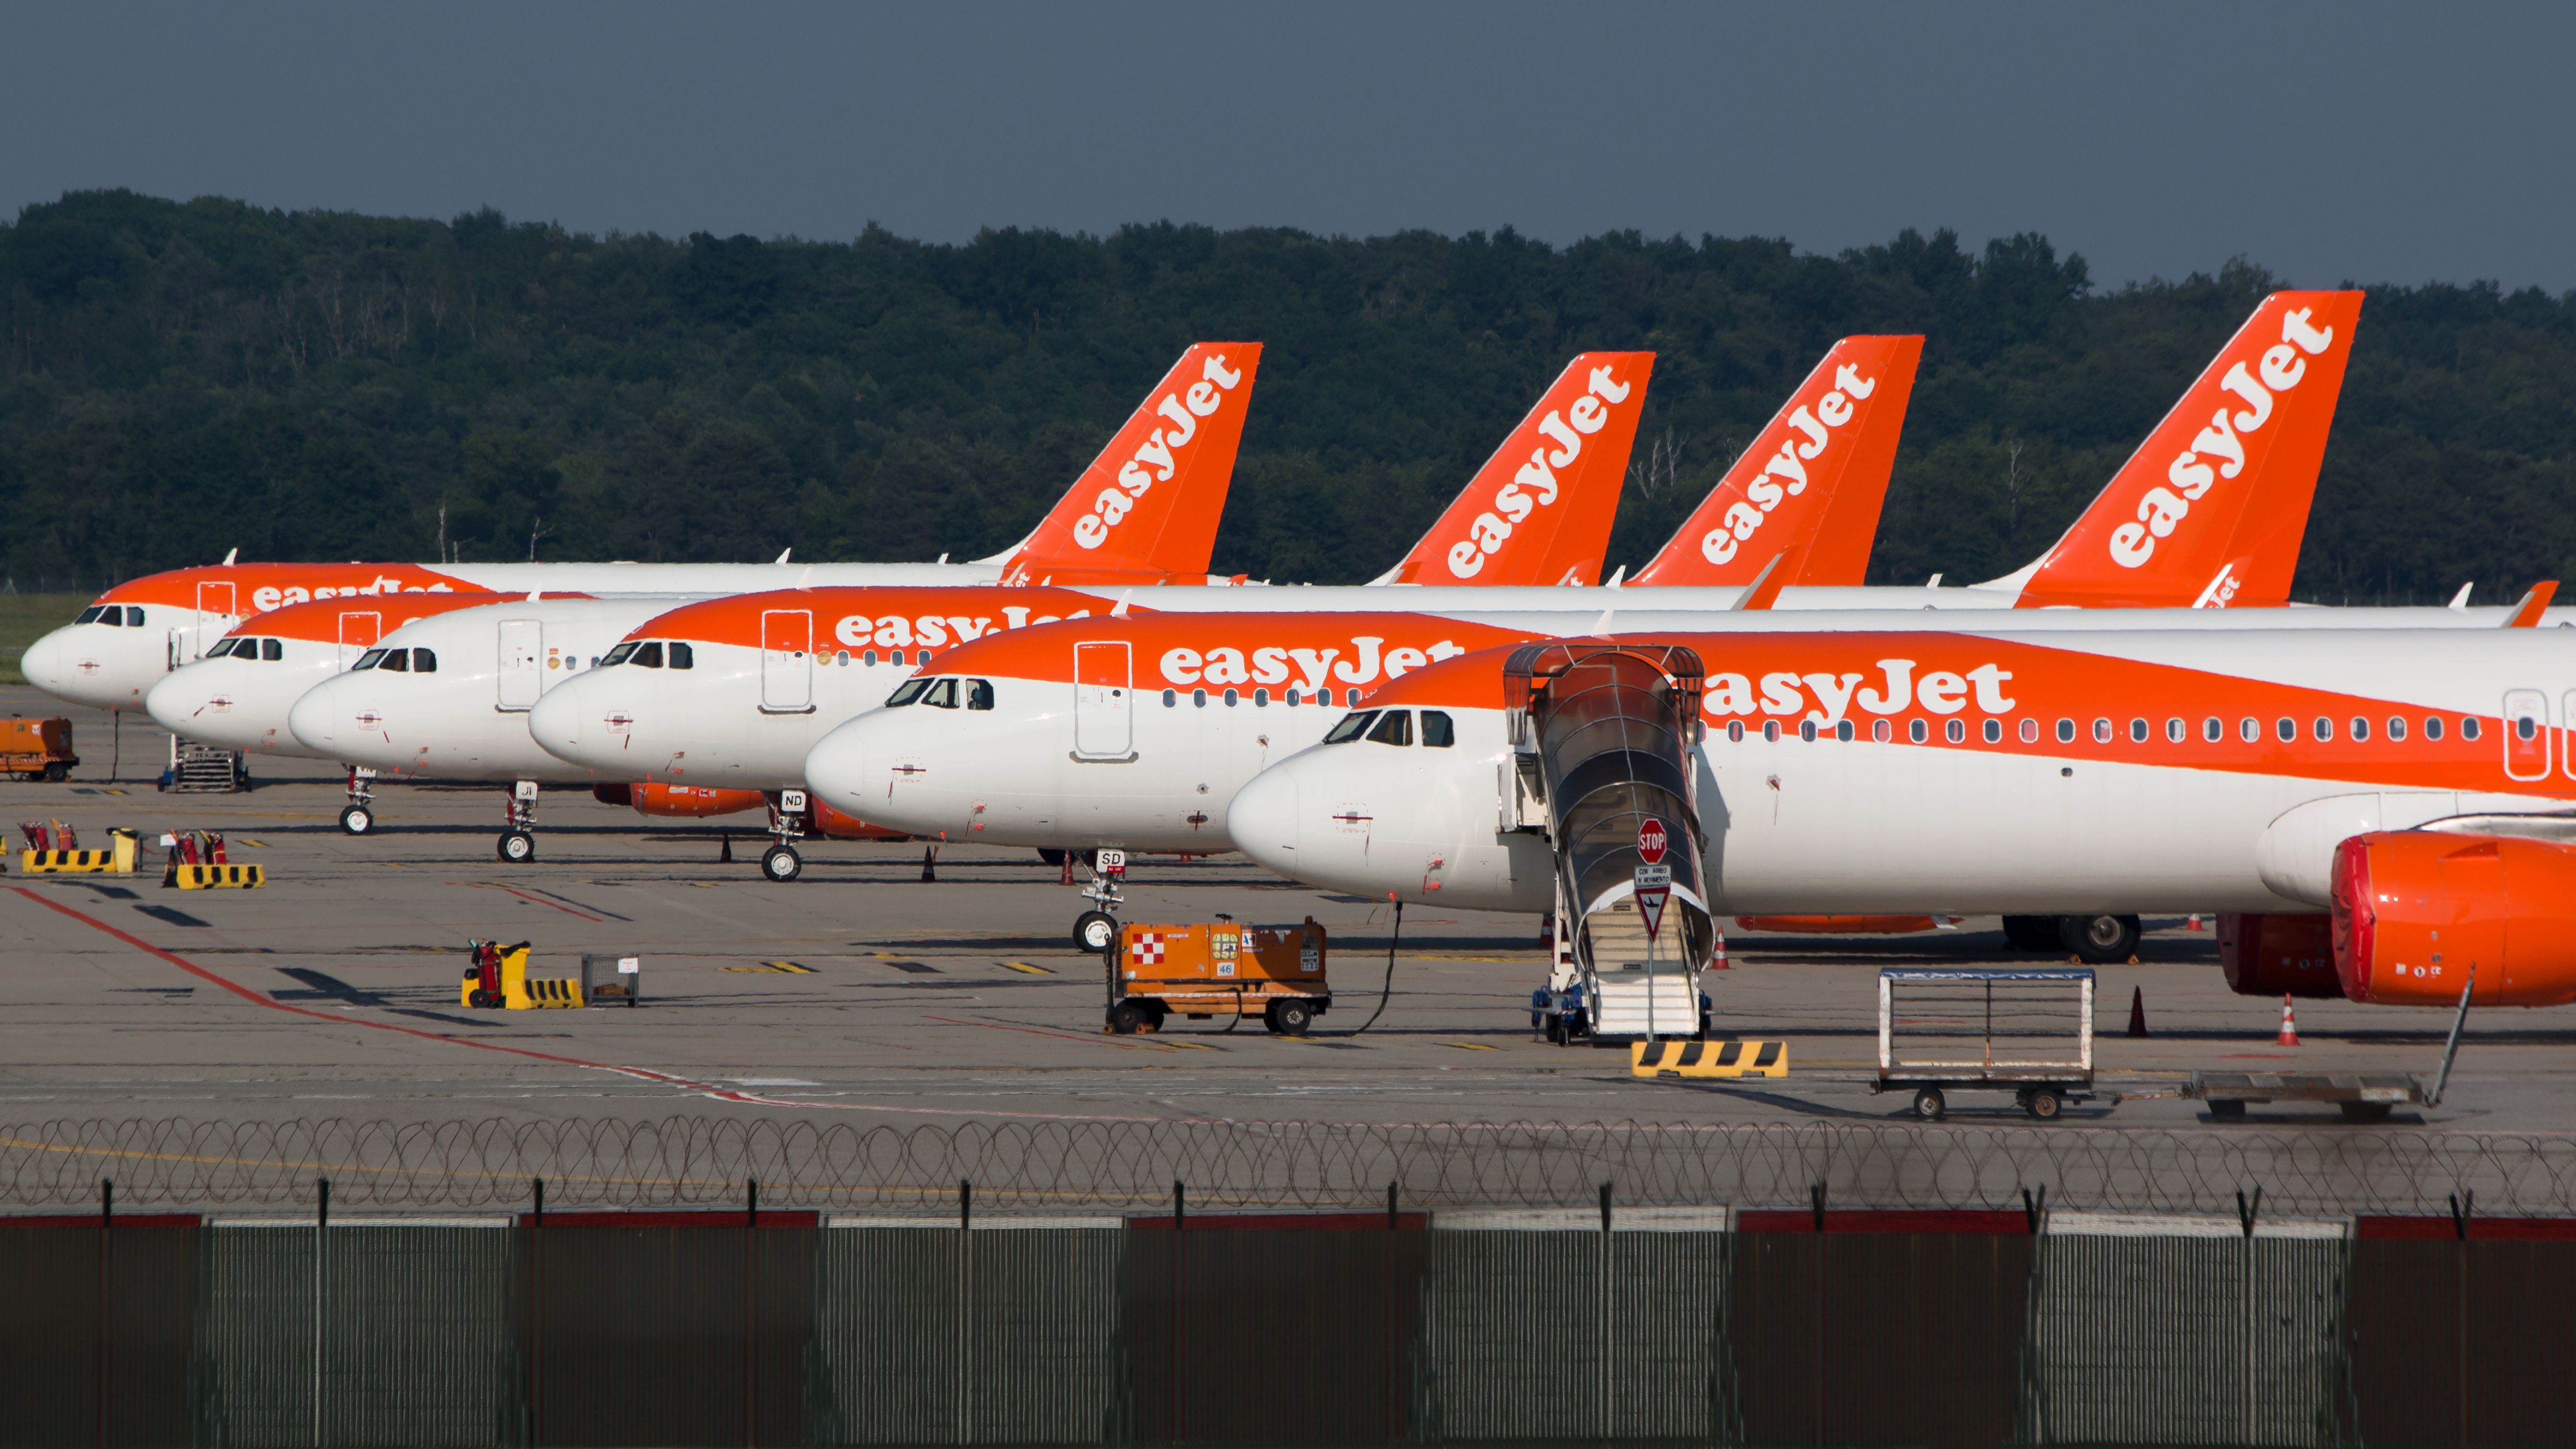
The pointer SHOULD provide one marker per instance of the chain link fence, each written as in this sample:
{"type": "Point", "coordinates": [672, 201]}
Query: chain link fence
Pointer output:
{"type": "Point", "coordinates": [687, 1161]}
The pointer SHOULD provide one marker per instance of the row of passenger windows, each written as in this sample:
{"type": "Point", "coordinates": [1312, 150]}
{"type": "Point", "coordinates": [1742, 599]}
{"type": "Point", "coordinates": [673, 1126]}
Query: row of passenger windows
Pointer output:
{"type": "Point", "coordinates": [652, 654]}
{"type": "Point", "coordinates": [920, 657]}
{"type": "Point", "coordinates": [1393, 727]}
{"type": "Point", "coordinates": [400, 661]}
{"type": "Point", "coordinates": [1261, 698]}
{"type": "Point", "coordinates": [124, 616]}
{"type": "Point", "coordinates": [944, 693]}
{"type": "Point", "coordinates": [269, 649]}
{"type": "Point", "coordinates": [2249, 730]}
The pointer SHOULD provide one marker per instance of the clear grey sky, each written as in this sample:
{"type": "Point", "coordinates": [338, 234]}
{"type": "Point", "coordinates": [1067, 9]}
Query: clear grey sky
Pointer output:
{"type": "Point", "coordinates": [2361, 141]}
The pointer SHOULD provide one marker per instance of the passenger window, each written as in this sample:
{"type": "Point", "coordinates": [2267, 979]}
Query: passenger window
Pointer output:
{"type": "Point", "coordinates": [2249, 729]}
{"type": "Point", "coordinates": [1232, 699]}
{"type": "Point", "coordinates": [2174, 731]}
{"type": "Point", "coordinates": [684, 657]}
{"type": "Point", "coordinates": [979, 694]}
{"type": "Point", "coordinates": [2286, 728]}
{"type": "Point", "coordinates": [2396, 729]}
{"type": "Point", "coordinates": [2213, 729]}
{"type": "Point", "coordinates": [2137, 732]}
{"type": "Point", "coordinates": [90, 616]}
{"type": "Point", "coordinates": [2066, 732]}
{"type": "Point", "coordinates": [2361, 730]}
{"type": "Point", "coordinates": [2523, 727]}
{"type": "Point", "coordinates": [1735, 731]}
{"type": "Point", "coordinates": [1771, 731]}
{"type": "Point", "coordinates": [647, 655]}
{"type": "Point", "coordinates": [1351, 727]}
{"type": "Point", "coordinates": [868, 657]}
{"type": "Point", "coordinates": [2030, 732]}
{"type": "Point", "coordinates": [2468, 727]}
{"type": "Point", "coordinates": [2432, 727]}
{"type": "Point", "coordinates": [423, 662]}
{"type": "Point", "coordinates": [1395, 727]}
{"type": "Point", "coordinates": [619, 654]}
{"type": "Point", "coordinates": [1915, 731]}
{"type": "Point", "coordinates": [1260, 698]}
{"type": "Point", "coordinates": [1198, 697]}
{"type": "Point", "coordinates": [1171, 698]}
{"type": "Point", "coordinates": [2101, 732]}
{"type": "Point", "coordinates": [906, 692]}
{"type": "Point", "coordinates": [272, 650]}
{"type": "Point", "coordinates": [397, 660]}
{"type": "Point", "coordinates": [1807, 730]}
{"type": "Point", "coordinates": [942, 694]}
{"type": "Point", "coordinates": [1956, 731]}
{"type": "Point", "coordinates": [1843, 731]}
{"type": "Point", "coordinates": [2323, 729]}
{"type": "Point", "coordinates": [368, 660]}
{"type": "Point", "coordinates": [1881, 731]}
{"type": "Point", "coordinates": [1438, 732]}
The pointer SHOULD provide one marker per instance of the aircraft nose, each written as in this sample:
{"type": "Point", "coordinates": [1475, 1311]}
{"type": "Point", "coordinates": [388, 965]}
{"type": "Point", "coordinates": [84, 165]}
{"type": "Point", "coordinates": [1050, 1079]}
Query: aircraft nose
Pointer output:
{"type": "Point", "coordinates": [46, 664]}
{"type": "Point", "coordinates": [1263, 820]}
{"type": "Point", "coordinates": [836, 768]}
{"type": "Point", "coordinates": [556, 721]}
{"type": "Point", "coordinates": [315, 719]}
{"type": "Point", "coordinates": [172, 701]}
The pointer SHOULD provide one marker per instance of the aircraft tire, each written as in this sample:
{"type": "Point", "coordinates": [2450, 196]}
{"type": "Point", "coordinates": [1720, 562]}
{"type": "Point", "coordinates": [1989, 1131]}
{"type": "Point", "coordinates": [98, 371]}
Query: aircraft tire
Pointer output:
{"type": "Point", "coordinates": [517, 847]}
{"type": "Point", "coordinates": [2099, 940]}
{"type": "Point", "coordinates": [1093, 931]}
{"type": "Point", "coordinates": [357, 820]}
{"type": "Point", "coordinates": [781, 863]}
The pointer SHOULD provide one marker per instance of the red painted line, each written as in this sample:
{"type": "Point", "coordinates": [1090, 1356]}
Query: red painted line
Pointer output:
{"type": "Point", "coordinates": [541, 900]}
{"type": "Point", "coordinates": [1042, 1031]}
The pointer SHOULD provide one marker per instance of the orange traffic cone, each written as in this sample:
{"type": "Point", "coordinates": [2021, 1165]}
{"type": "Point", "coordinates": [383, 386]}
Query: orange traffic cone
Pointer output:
{"type": "Point", "coordinates": [2137, 1011]}
{"type": "Point", "coordinates": [2289, 1023]}
{"type": "Point", "coordinates": [2193, 924]}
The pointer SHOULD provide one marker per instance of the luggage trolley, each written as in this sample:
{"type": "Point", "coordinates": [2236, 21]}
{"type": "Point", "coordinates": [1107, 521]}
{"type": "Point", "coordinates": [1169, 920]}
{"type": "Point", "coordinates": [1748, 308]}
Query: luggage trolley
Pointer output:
{"type": "Point", "coordinates": [2029, 1033]}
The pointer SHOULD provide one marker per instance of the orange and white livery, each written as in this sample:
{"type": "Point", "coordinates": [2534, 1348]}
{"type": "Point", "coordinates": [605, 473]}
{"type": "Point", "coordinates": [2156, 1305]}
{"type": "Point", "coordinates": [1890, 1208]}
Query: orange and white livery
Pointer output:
{"type": "Point", "coordinates": [1539, 511]}
{"type": "Point", "coordinates": [1809, 490]}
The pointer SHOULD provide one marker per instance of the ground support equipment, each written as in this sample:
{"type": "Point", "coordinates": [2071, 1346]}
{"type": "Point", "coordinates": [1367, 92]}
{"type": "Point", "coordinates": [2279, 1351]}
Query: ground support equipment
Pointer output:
{"type": "Point", "coordinates": [1276, 973]}
{"type": "Point", "coordinates": [2029, 1033]}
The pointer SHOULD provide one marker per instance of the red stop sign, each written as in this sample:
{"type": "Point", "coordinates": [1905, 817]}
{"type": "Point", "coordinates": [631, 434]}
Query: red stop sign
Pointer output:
{"type": "Point", "coordinates": [1650, 841]}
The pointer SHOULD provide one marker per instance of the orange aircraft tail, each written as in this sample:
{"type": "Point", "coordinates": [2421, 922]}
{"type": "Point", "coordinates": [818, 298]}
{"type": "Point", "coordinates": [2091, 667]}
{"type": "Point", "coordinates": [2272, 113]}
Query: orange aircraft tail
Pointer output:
{"type": "Point", "coordinates": [1539, 511]}
{"type": "Point", "coordinates": [1149, 504]}
{"type": "Point", "coordinates": [1811, 485]}
{"type": "Point", "coordinates": [2211, 509]}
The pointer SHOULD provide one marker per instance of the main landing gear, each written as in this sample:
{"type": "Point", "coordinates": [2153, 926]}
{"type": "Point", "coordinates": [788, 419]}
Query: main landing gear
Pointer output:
{"type": "Point", "coordinates": [518, 844]}
{"type": "Point", "coordinates": [780, 862]}
{"type": "Point", "coordinates": [359, 815]}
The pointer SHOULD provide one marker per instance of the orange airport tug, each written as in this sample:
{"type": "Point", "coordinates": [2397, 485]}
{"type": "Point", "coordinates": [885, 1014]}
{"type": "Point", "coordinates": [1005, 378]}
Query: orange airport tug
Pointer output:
{"type": "Point", "coordinates": [1223, 969]}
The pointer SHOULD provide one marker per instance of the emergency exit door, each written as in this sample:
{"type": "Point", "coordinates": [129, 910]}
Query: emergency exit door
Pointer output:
{"type": "Point", "coordinates": [786, 660]}
{"type": "Point", "coordinates": [2526, 734]}
{"type": "Point", "coordinates": [1103, 726]}
{"type": "Point", "coordinates": [523, 648]}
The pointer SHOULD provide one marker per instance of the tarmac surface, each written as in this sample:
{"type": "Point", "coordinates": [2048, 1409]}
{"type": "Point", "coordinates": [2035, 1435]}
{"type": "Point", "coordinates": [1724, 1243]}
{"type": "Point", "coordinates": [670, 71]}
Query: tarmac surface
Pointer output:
{"type": "Point", "coordinates": [864, 994]}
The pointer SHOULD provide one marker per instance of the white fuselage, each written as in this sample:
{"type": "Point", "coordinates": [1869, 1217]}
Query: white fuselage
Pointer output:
{"type": "Point", "coordinates": [468, 719]}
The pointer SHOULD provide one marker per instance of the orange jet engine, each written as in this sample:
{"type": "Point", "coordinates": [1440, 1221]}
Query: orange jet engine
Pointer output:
{"type": "Point", "coordinates": [2415, 910]}
{"type": "Point", "coordinates": [694, 801]}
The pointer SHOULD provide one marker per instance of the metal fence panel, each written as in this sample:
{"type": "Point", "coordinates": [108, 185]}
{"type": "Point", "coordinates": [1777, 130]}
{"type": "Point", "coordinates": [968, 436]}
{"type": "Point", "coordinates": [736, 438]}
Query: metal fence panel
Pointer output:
{"type": "Point", "coordinates": [420, 1337]}
{"type": "Point", "coordinates": [1042, 1355]}
{"type": "Point", "coordinates": [1513, 1324]}
{"type": "Point", "coordinates": [2184, 1340]}
{"type": "Point", "coordinates": [887, 1334]}
{"type": "Point", "coordinates": [255, 1384]}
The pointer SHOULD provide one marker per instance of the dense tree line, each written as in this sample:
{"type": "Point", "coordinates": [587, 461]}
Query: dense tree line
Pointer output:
{"type": "Point", "coordinates": [181, 379]}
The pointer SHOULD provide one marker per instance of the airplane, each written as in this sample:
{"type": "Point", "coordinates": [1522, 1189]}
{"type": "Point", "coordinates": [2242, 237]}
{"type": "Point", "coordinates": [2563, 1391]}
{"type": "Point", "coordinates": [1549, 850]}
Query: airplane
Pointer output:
{"type": "Point", "coordinates": [2409, 786]}
{"type": "Point", "coordinates": [1144, 512]}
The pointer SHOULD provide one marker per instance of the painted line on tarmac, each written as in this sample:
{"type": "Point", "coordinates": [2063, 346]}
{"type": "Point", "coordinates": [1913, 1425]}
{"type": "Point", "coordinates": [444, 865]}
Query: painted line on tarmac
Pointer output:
{"type": "Point", "coordinates": [536, 900]}
{"type": "Point", "coordinates": [641, 1074]}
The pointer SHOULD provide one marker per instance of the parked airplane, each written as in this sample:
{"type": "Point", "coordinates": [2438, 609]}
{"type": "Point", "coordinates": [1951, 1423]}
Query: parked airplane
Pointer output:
{"type": "Point", "coordinates": [1144, 512]}
{"type": "Point", "coordinates": [2414, 778]}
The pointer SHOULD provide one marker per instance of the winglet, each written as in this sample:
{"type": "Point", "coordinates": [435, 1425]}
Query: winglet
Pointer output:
{"type": "Point", "coordinates": [1149, 503]}
{"type": "Point", "coordinates": [1811, 483]}
{"type": "Point", "coordinates": [784, 552]}
{"type": "Point", "coordinates": [2460, 600]}
{"type": "Point", "coordinates": [2535, 603]}
{"type": "Point", "coordinates": [1119, 610]}
{"type": "Point", "coordinates": [2228, 474]}
{"type": "Point", "coordinates": [1765, 587]}
{"type": "Point", "coordinates": [1539, 511]}
{"type": "Point", "coordinates": [230, 554]}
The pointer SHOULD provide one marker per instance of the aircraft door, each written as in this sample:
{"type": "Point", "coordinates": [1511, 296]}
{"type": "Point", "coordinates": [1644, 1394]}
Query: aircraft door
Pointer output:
{"type": "Point", "coordinates": [523, 647]}
{"type": "Point", "coordinates": [358, 634]}
{"type": "Point", "coordinates": [2567, 736]}
{"type": "Point", "coordinates": [1103, 724]}
{"type": "Point", "coordinates": [214, 609]}
{"type": "Point", "coordinates": [2526, 734]}
{"type": "Point", "coordinates": [787, 660]}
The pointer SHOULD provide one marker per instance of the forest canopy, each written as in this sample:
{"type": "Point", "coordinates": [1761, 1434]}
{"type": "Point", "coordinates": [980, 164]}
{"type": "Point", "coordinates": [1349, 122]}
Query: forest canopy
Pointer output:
{"type": "Point", "coordinates": [180, 379]}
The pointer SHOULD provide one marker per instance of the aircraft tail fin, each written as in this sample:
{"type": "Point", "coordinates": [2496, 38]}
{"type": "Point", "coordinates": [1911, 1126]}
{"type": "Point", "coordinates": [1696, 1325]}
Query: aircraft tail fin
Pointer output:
{"type": "Point", "coordinates": [2217, 496]}
{"type": "Point", "coordinates": [1812, 483]}
{"type": "Point", "coordinates": [1539, 511]}
{"type": "Point", "coordinates": [1149, 504]}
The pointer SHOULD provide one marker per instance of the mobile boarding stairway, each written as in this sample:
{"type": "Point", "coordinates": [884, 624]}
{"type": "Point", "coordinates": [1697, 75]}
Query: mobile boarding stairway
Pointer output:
{"type": "Point", "coordinates": [1602, 739]}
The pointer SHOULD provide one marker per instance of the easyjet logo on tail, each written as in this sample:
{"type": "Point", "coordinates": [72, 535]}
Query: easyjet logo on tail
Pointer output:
{"type": "Point", "coordinates": [1811, 484]}
{"type": "Point", "coordinates": [2219, 451]}
{"type": "Point", "coordinates": [1534, 486]}
{"type": "Point", "coordinates": [1153, 460]}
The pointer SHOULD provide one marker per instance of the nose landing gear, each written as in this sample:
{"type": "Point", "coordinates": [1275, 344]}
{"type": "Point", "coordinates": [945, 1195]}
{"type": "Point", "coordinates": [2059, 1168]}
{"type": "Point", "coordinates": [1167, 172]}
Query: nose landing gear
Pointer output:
{"type": "Point", "coordinates": [518, 844]}
{"type": "Point", "coordinates": [780, 862]}
{"type": "Point", "coordinates": [359, 815]}
{"type": "Point", "coordinates": [1096, 930]}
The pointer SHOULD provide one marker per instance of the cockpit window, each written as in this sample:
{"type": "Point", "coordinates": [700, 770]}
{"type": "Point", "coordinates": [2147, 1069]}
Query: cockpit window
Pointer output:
{"type": "Point", "coordinates": [682, 656]}
{"type": "Point", "coordinates": [423, 662]}
{"type": "Point", "coordinates": [272, 650]}
{"type": "Point", "coordinates": [1352, 727]}
{"type": "Point", "coordinates": [979, 694]}
{"type": "Point", "coordinates": [224, 647]}
{"type": "Point", "coordinates": [1395, 727]}
{"type": "Point", "coordinates": [906, 693]}
{"type": "Point", "coordinates": [397, 660]}
{"type": "Point", "coordinates": [1438, 733]}
{"type": "Point", "coordinates": [90, 614]}
{"type": "Point", "coordinates": [942, 694]}
{"type": "Point", "coordinates": [368, 660]}
{"type": "Point", "coordinates": [647, 655]}
{"type": "Point", "coordinates": [618, 654]}
{"type": "Point", "coordinates": [134, 616]}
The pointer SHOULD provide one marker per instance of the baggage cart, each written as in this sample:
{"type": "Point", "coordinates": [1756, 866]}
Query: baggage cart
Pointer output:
{"type": "Point", "coordinates": [2029, 1033]}
{"type": "Point", "coordinates": [1276, 973]}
